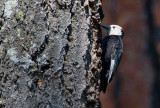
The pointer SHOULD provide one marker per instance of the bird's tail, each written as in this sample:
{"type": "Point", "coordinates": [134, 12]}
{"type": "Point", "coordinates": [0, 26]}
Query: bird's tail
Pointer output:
{"type": "Point", "coordinates": [104, 82]}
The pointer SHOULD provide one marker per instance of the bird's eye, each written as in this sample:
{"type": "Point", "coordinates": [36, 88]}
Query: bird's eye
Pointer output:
{"type": "Point", "coordinates": [113, 27]}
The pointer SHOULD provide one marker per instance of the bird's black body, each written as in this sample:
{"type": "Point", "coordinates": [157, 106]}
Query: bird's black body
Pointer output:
{"type": "Point", "coordinates": [111, 55]}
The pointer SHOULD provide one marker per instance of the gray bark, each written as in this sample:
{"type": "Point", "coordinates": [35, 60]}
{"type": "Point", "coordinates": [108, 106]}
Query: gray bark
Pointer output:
{"type": "Point", "coordinates": [49, 53]}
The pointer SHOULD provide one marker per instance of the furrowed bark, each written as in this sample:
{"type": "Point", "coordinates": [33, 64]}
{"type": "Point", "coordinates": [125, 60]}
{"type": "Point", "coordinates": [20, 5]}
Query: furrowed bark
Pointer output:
{"type": "Point", "coordinates": [50, 53]}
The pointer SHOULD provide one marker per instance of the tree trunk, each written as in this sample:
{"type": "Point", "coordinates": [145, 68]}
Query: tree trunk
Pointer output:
{"type": "Point", "coordinates": [50, 53]}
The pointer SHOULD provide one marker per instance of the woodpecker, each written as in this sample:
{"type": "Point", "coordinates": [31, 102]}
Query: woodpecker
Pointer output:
{"type": "Point", "coordinates": [112, 50]}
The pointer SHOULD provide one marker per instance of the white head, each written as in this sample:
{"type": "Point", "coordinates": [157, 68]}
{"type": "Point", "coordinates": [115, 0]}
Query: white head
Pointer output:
{"type": "Point", "coordinates": [114, 30]}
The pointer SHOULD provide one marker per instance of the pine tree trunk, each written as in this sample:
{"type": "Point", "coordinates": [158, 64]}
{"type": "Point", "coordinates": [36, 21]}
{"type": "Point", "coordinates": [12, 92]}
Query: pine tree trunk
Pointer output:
{"type": "Point", "coordinates": [50, 53]}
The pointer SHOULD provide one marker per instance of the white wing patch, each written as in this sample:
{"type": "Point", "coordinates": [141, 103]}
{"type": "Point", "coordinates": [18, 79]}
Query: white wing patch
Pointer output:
{"type": "Point", "coordinates": [111, 69]}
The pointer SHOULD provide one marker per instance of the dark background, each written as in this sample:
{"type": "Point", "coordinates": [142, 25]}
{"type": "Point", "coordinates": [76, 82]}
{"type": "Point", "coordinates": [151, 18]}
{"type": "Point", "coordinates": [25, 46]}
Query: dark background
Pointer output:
{"type": "Point", "coordinates": [137, 82]}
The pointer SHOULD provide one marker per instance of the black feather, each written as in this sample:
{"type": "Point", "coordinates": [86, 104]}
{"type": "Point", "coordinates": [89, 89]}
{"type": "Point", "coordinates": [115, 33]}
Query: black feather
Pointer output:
{"type": "Point", "coordinates": [112, 49]}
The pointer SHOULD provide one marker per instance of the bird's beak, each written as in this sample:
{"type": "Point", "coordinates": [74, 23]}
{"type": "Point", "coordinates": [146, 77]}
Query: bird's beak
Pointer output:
{"type": "Point", "coordinates": [105, 27]}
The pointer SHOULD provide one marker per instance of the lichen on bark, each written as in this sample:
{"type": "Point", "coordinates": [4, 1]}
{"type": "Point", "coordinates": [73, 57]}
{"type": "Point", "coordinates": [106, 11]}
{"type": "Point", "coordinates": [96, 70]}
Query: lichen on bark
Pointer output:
{"type": "Point", "coordinates": [49, 53]}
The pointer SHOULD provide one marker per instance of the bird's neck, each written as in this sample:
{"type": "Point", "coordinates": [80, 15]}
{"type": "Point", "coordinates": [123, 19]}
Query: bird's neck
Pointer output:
{"type": "Point", "coordinates": [116, 36]}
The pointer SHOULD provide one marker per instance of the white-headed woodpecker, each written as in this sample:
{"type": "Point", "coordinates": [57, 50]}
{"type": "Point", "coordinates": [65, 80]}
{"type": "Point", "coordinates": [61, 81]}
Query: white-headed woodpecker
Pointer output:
{"type": "Point", "coordinates": [112, 50]}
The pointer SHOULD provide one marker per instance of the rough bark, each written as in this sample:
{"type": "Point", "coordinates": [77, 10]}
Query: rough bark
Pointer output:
{"type": "Point", "coordinates": [49, 53]}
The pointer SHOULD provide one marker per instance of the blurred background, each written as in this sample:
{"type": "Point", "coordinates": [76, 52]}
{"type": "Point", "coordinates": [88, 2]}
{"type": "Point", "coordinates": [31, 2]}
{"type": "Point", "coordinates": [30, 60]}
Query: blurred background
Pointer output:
{"type": "Point", "coordinates": [137, 82]}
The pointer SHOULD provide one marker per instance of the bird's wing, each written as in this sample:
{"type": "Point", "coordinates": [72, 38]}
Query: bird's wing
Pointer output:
{"type": "Point", "coordinates": [114, 62]}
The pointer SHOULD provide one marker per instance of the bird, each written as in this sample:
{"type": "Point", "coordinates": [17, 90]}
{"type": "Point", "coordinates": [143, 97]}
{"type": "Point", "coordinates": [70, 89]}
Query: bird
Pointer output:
{"type": "Point", "coordinates": [112, 50]}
